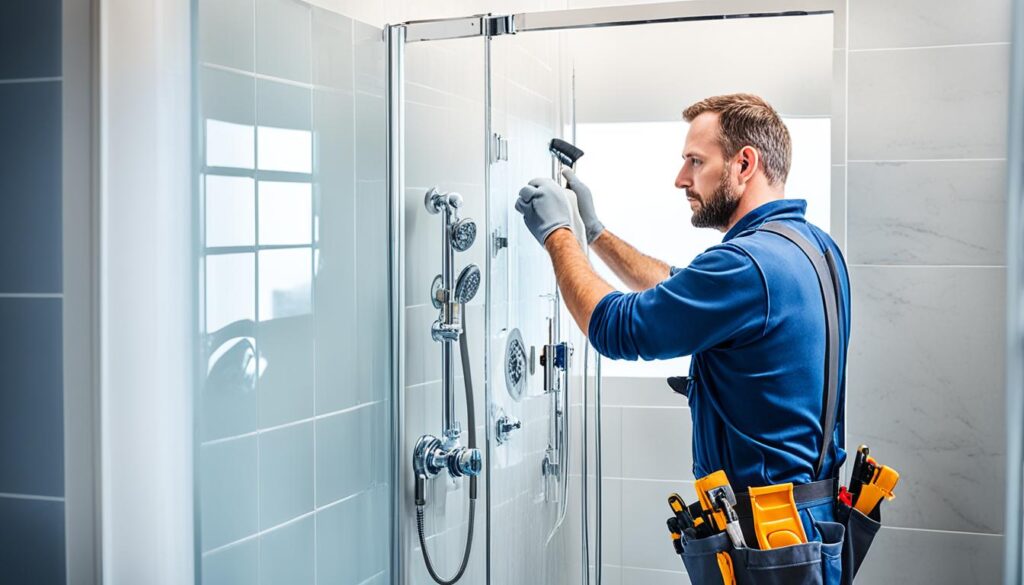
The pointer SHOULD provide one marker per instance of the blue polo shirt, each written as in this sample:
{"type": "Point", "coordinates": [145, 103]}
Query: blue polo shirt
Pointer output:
{"type": "Point", "coordinates": [749, 311]}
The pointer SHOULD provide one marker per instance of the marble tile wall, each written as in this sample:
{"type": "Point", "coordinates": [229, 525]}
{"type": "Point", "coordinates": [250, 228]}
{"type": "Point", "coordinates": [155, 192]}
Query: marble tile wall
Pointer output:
{"type": "Point", "coordinates": [925, 243]}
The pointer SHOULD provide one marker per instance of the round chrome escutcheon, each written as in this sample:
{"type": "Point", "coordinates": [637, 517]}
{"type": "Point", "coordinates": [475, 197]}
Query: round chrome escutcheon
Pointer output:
{"type": "Point", "coordinates": [515, 365]}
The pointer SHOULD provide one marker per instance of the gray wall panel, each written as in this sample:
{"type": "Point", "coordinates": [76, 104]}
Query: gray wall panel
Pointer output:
{"type": "Point", "coordinates": [30, 38]}
{"type": "Point", "coordinates": [30, 187]}
{"type": "Point", "coordinates": [31, 412]}
{"type": "Point", "coordinates": [925, 390]}
{"type": "Point", "coordinates": [31, 541]}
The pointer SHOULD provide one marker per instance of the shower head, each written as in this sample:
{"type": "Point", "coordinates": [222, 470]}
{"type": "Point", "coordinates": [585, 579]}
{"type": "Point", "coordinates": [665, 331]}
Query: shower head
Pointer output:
{"type": "Point", "coordinates": [565, 152]}
{"type": "Point", "coordinates": [463, 234]}
{"type": "Point", "coordinates": [467, 284]}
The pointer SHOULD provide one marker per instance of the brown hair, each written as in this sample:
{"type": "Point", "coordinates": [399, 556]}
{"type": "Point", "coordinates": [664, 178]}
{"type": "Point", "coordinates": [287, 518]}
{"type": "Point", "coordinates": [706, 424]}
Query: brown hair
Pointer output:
{"type": "Point", "coordinates": [747, 120]}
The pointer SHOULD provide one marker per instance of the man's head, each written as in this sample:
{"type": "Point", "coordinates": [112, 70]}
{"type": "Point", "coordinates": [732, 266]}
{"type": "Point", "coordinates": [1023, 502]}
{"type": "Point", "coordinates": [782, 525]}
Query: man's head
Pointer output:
{"type": "Point", "coordinates": [737, 151]}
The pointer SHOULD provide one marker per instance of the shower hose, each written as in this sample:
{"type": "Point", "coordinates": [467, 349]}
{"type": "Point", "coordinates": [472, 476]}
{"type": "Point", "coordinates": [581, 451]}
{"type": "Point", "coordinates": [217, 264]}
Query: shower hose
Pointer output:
{"type": "Point", "coordinates": [471, 420]}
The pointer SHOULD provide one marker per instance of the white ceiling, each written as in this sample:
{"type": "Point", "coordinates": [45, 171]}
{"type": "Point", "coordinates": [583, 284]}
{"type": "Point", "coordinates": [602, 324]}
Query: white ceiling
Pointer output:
{"type": "Point", "coordinates": [652, 72]}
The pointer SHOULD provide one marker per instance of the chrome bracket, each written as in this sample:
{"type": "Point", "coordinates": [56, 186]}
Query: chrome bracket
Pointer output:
{"type": "Point", "coordinates": [498, 242]}
{"type": "Point", "coordinates": [499, 25]}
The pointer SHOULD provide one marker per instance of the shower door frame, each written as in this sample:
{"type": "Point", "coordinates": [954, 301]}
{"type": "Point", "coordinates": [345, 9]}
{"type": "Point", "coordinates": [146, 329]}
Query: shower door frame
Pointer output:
{"type": "Point", "coordinates": [488, 26]}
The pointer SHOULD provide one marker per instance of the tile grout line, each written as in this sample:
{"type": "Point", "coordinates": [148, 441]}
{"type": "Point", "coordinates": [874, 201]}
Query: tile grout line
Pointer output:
{"type": "Point", "coordinates": [292, 423]}
{"type": "Point", "coordinates": [929, 47]}
{"type": "Point", "coordinates": [30, 80]}
{"type": "Point", "coordinates": [920, 160]}
{"type": "Point", "coordinates": [16, 496]}
{"type": "Point", "coordinates": [31, 295]}
{"type": "Point", "coordinates": [921, 266]}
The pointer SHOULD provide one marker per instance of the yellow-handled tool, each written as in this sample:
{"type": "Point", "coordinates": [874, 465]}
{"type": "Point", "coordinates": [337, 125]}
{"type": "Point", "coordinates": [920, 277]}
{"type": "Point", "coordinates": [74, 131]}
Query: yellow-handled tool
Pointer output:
{"type": "Point", "coordinates": [881, 485]}
{"type": "Point", "coordinates": [776, 520]}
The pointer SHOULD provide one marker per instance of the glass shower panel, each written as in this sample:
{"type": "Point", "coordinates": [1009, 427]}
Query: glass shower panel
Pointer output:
{"type": "Point", "coordinates": [293, 402]}
{"type": "Point", "coordinates": [444, 137]}
{"type": "Point", "coordinates": [534, 520]}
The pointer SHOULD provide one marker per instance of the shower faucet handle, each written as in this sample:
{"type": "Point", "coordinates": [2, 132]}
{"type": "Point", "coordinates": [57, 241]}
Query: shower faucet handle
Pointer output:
{"type": "Point", "coordinates": [506, 424]}
{"type": "Point", "coordinates": [465, 461]}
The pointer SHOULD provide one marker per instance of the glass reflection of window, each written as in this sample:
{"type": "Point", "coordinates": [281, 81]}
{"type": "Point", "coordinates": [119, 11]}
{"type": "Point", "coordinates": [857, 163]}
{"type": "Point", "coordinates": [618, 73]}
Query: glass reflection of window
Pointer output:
{"type": "Point", "coordinates": [229, 145]}
{"type": "Point", "coordinates": [284, 282]}
{"type": "Point", "coordinates": [230, 211]}
{"type": "Point", "coordinates": [286, 210]}
{"type": "Point", "coordinates": [636, 188]}
{"type": "Point", "coordinates": [284, 149]}
{"type": "Point", "coordinates": [258, 220]}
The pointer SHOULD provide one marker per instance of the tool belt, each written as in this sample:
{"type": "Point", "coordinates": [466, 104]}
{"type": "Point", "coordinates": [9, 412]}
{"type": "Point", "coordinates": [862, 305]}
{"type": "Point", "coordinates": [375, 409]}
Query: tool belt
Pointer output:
{"type": "Point", "coordinates": [758, 537]}
{"type": "Point", "coordinates": [746, 555]}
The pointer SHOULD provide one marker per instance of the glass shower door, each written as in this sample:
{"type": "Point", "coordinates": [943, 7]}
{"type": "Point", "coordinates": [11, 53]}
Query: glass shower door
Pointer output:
{"type": "Point", "coordinates": [534, 468]}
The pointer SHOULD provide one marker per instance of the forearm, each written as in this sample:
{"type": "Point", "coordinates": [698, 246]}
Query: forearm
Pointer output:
{"type": "Point", "coordinates": [638, 270]}
{"type": "Point", "coordinates": [582, 289]}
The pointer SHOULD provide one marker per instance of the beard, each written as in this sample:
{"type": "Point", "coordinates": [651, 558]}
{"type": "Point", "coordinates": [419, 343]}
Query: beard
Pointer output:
{"type": "Point", "coordinates": [716, 210]}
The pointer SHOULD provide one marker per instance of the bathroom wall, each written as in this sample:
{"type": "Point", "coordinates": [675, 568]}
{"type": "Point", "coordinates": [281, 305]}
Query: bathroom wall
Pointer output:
{"type": "Point", "coordinates": [32, 504]}
{"type": "Point", "coordinates": [926, 241]}
{"type": "Point", "coordinates": [294, 403]}
{"type": "Point", "coordinates": [923, 232]}
{"type": "Point", "coordinates": [47, 518]}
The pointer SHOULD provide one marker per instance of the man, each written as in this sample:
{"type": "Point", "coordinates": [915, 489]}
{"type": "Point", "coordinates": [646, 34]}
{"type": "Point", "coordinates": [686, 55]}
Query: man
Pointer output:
{"type": "Point", "coordinates": [748, 310]}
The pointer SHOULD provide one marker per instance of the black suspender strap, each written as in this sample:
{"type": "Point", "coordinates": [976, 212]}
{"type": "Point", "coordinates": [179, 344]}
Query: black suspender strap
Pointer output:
{"type": "Point", "coordinates": [828, 283]}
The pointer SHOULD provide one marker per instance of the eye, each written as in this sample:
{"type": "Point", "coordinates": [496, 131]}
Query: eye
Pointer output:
{"type": "Point", "coordinates": [695, 161]}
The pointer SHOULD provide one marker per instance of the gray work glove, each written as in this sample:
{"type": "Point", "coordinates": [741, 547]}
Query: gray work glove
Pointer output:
{"type": "Point", "coordinates": [544, 208]}
{"type": "Point", "coordinates": [585, 201]}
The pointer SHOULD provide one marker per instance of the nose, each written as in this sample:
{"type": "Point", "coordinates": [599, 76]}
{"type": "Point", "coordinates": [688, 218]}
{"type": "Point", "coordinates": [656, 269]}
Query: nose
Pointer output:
{"type": "Point", "coordinates": [684, 180]}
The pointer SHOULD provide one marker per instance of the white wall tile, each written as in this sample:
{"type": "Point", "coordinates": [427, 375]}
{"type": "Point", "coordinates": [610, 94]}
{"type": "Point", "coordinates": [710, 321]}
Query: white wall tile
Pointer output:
{"type": "Point", "coordinates": [349, 448]}
{"type": "Point", "coordinates": [226, 33]}
{"type": "Point", "coordinates": [928, 213]}
{"type": "Point", "coordinates": [285, 385]}
{"type": "Point", "coordinates": [287, 553]}
{"type": "Point", "coordinates": [646, 542]}
{"type": "Point", "coordinates": [283, 39]}
{"type": "Point", "coordinates": [333, 51]}
{"type": "Point", "coordinates": [233, 565]}
{"type": "Point", "coordinates": [656, 443]}
{"type": "Point", "coordinates": [286, 474]}
{"type": "Point", "coordinates": [877, 24]}
{"type": "Point", "coordinates": [928, 103]}
{"type": "Point", "coordinates": [228, 491]}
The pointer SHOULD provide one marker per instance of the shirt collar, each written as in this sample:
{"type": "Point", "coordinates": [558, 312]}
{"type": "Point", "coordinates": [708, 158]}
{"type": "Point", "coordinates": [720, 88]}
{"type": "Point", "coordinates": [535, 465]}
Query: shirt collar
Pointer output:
{"type": "Point", "coordinates": [771, 211]}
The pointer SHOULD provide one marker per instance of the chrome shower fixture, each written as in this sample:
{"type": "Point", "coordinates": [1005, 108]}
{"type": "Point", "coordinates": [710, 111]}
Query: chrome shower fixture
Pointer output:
{"type": "Point", "coordinates": [467, 284]}
{"type": "Point", "coordinates": [463, 234]}
{"type": "Point", "coordinates": [433, 455]}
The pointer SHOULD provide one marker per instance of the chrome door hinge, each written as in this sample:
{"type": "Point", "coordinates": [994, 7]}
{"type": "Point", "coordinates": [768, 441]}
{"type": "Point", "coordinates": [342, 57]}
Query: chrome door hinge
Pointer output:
{"type": "Point", "coordinates": [498, 242]}
{"type": "Point", "coordinates": [499, 148]}
{"type": "Point", "coordinates": [499, 25]}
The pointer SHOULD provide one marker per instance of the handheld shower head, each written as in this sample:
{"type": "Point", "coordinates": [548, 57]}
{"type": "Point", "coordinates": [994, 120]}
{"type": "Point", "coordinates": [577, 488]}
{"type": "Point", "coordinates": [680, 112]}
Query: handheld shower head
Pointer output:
{"type": "Point", "coordinates": [463, 234]}
{"type": "Point", "coordinates": [565, 152]}
{"type": "Point", "coordinates": [467, 284]}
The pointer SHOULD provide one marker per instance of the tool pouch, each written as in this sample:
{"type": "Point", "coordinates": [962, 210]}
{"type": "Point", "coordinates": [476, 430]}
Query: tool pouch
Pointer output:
{"type": "Point", "coordinates": [701, 558]}
{"type": "Point", "coordinates": [860, 532]}
{"type": "Point", "coordinates": [812, 563]}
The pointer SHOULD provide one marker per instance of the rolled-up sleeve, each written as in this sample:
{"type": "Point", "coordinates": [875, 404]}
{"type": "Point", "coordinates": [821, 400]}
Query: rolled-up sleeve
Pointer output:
{"type": "Point", "coordinates": [720, 298]}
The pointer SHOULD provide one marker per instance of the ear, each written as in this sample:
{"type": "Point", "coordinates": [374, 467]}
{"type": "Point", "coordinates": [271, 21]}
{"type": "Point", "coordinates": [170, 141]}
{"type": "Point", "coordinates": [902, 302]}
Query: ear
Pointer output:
{"type": "Point", "coordinates": [749, 160]}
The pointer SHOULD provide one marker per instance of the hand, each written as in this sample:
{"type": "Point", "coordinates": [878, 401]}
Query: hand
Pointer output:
{"type": "Point", "coordinates": [544, 208]}
{"type": "Point", "coordinates": [585, 201]}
